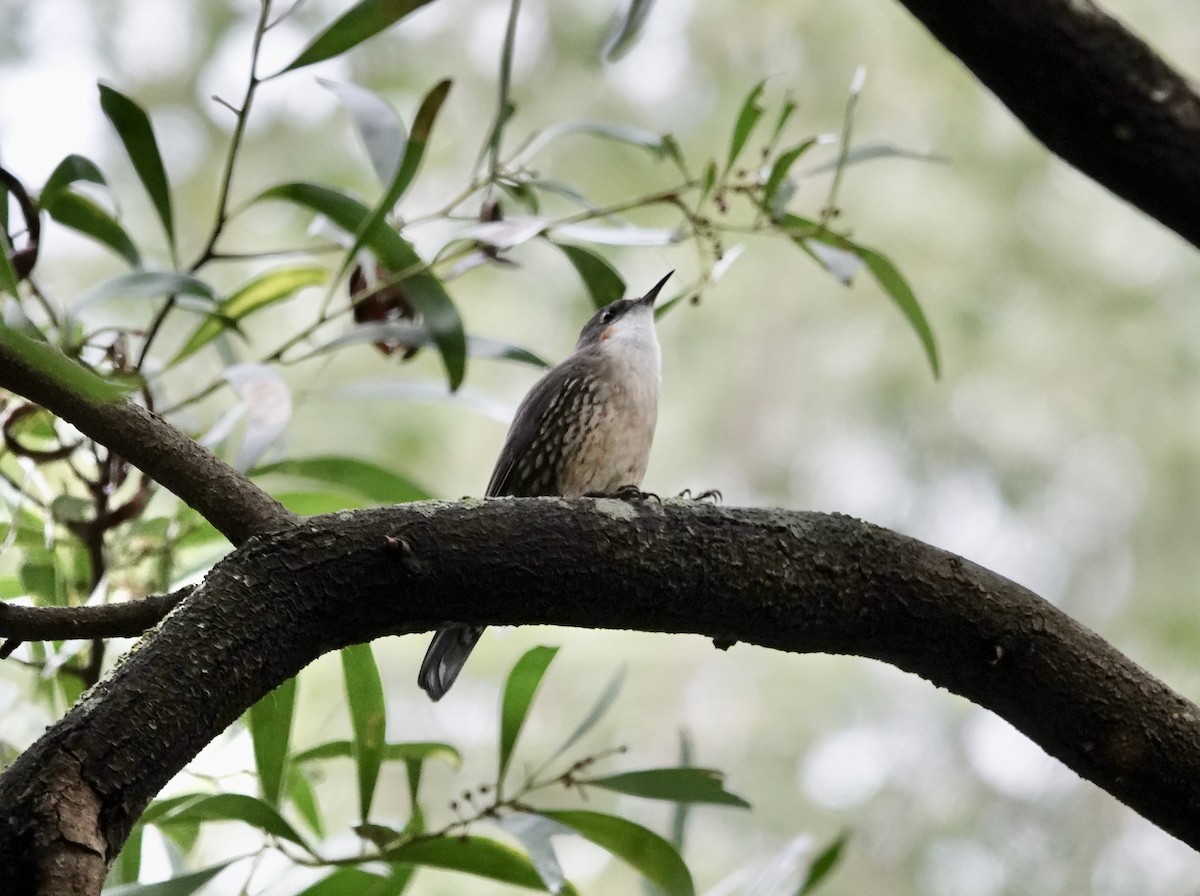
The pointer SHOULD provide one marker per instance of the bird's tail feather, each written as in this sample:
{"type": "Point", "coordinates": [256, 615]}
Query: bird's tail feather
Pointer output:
{"type": "Point", "coordinates": [444, 659]}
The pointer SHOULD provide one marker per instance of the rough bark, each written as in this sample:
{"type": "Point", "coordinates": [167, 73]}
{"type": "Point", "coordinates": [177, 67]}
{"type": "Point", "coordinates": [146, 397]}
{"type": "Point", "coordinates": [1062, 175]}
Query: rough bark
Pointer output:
{"type": "Point", "coordinates": [798, 582]}
{"type": "Point", "coordinates": [1091, 91]}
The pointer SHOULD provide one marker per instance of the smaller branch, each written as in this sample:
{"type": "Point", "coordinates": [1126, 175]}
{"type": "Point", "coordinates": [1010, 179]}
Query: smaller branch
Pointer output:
{"type": "Point", "coordinates": [124, 620]}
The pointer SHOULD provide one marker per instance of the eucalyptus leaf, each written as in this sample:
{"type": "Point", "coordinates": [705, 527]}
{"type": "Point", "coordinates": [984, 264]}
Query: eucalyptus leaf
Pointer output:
{"type": "Point", "coordinates": [270, 724]}
{"type": "Point", "coordinates": [519, 690]}
{"type": "Point", "coordinates": [183, 885]}
{"type": "Point", "coordinates": [679, 785]}
{"type": "Point", "coordinates": [618, 236]}
{"type": "Point", "coordinates": [823, 864]}
{"type": "Point", "coordinates": [748, 117]}
{"type": "Point", "coordinates": [420, 287]}
{"type": "Point", "coordinates": [81, 214]}
{"type": "Point", "coordinates": [363, 20]}
{"type": "Point", "coordinates": [377, 124]}
{"type": "Point", "coordinates": [867, 151]}
{"type": "Point", "coordinates": [70, 170]}
{"type": "Point", "coordinates": [601, 279]}
{"type": "Point", "coordinates": [621, 133]}
{"type": "Point", "coordinates": [145, 285]}
{"type": "Point", "coordinates": [368, 716]}
{"type": "Point", "coordinates": [652, 856]}
{"type": "Point", "coordinates": [471, 855]}
{"type": "Point", "coordinates": [132, 125]}
{"type": "Point", "coordinates": [897, 288]}
{"type": "Point", "coordinates": [369, 480]}
{"type": "Point", "coordinates": [626, 28]}
{"type": "Point", "coordinates": [603, 701]}
{"type": "Point", "coordinates": [237, 807]}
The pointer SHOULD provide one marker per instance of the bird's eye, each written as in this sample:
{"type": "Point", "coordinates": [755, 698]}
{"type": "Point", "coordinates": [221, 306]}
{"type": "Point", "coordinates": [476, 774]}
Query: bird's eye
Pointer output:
{"type": "Point", "coordinates": [607, 315]}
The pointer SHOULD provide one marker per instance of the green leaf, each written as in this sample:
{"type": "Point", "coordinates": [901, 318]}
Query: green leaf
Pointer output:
{"type": "Point", "coordinates": [128, 864]}
{"type": "Point", "coordinates": [748, 117]}
{"type": "Point", "coordinates": [679, 785]}
{"type": "Point", "coordinates": [400, 332]}
{"type": "Point", "coordinates": [56, 366]}
{"type": "Point", "coordinates": [595, 714]}
{"type": "Point", "coordinates": [376, 123]}
{"type": "Point", "coordinates": [867, 151]}
{"type": "Point", "coordinates": [519, 691]}
{"type": "Point", "coordinates": [371, 481]}
{"type": "Point", "coordinates": [901, 293]}
{"type": "Point", "coordinates": [184, 885]}
{"type": "Point", "coordinates": [470, 855]}
{"type": "Point", "coordinates": [237, 807]}
{"type": "Point", "coordinates": [70, 170]}
{"type": "Point", "coordinates": [8, 276]}
{"type": "Point", "coordinates": [652, 856]}
{"type": "Point", "coordinates": [76, 211]}
{"type": "Point", "coordinates": [414, 150]}
{"type": "Point", "coordinates": [823, 864]}
{"type": "Point", "coordinates": [404, 751]}
{"type": "Point", "coordinates": [357, 882]}
{"type": "Point", "coordinates": [421, 289]}
{"type": "Point", "coordinates": [133, 127]}
{"type": "Point", "coordinates": [779, 170]}
{"type": "Point", "coordinates": [368, 718]}
{"type": "Point", "coordinates": [650, 141]}
{"type": "Point", "coordinates": [270, 724]}
{"type": "Point", "coordinates": [146, 285]}
{"type": "Point", "coordinates": [265, 289]}
{"type": "Point", "coordinates": [603, 282]}
{"type": "Point", "coordinates": [363, 20]}
{"type": "Point", "coordinates": [301, 795]}
{"type": "Point", "coordinates": [626, 29]}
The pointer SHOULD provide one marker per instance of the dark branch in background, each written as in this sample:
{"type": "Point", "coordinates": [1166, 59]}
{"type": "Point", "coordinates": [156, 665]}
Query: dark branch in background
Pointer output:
{"type": "Point", "coordinates": [799, 582]}
{"type": "Point", "coordinates": [223, 496]}
{"type": "Point", "coordinates": [124, 620]}
{"type": "Point", "coordinates": [1091, 91]}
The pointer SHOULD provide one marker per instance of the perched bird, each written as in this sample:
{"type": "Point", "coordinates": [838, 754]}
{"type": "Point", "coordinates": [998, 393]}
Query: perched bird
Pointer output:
{"type": "Point", "coordinates": [585, 428]}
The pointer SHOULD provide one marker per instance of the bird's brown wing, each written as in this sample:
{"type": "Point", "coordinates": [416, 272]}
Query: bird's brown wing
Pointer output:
{"type": "Point", "coordinates": [539, 427]}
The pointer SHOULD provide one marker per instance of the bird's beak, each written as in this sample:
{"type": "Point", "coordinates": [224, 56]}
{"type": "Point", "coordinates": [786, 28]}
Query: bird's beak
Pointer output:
{"type": "Point", "coordinates": [648, 298]}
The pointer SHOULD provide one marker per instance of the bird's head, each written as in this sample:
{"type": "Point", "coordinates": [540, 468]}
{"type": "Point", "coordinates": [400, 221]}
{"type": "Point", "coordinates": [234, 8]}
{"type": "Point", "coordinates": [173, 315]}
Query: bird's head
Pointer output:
{"type": "Point", "coordinates": [624, 322]}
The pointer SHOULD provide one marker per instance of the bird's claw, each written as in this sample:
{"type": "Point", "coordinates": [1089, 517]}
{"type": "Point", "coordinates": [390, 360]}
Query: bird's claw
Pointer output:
{"type": "Point", "coordinates": [712, 494]}
{"type": "Point", "coordinates": [626, 493]}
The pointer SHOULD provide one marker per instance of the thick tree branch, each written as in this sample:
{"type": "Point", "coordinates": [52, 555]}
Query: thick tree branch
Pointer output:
{"type": "Point", "coordinates": [1091, 91]}
{"type": "Point", "coordinates": [790, 581]}
{"type": "Point", "coordinates": [219, 493]}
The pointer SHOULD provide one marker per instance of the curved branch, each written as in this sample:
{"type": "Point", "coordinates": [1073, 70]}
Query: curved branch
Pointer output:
{"type": "Point", "coordinates": [1091, 91]}
{"type": "Point", "coordinates": [223, 496]}
{"type": "Point", "coordinates": [799, 582]}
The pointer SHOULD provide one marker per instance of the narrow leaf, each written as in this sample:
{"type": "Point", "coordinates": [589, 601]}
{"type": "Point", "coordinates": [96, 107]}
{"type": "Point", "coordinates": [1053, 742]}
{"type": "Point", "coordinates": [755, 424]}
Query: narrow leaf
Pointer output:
{"type": "Point", "coordinates": [901, 293]}
{"type": "Point", "coordinates": [184, 885]}
{"type": "Point", "coordinates": [625, 29]}
{"type": "Point", "coordinates": [748, 116]}
{"type": "Point", "coordinates": [301, 795]}
{"type": "Point", "coordinates": [823, 864]}
{"type": "Point", "coordinates": [363, 20]}
{"type": "Point", "coordinates": [421, 289]}
{"type": "Point", "coordinates": [534, 833]}
{"type": "Point", "coordinates": [133, 127]}
{"type": "Point", "coordinates": [414, 150]}
{"type": "Point", "coordinates": [471, 855]}
{"type": "Point", "coordinates": [54, 365]}
{"type": "Point", "coordinates": [376, 123]}
{"type": "Point", "coordinates": [265, 289]}
{"type": "Point", "coordinates": [73, 210]}
{"type": "Point", "coordinates": [619, 236]}
{"type": "Point", "coordinates": [70, 170]}
{"type": "Point", "coordinates": [621, 133]}
{"type": "Point", "coordinates": [679, 785]}
{"type": "Point", "coordinates": [8, 276]}
{"type": "Point", "coordinates": [595, 714]}
{"type": "Point", "coordinates": [652, 856]}
{"type": "Point", "coordinates": [270, 724]}
{"type": "Point", "coordinates": [601, 279]}
{"type": "Point", "coordinates": [146, 285]}
{"type": "Point", "coordinates": [519, 691]}
{"type": "Point", "coordinates": [868, 151]}
{"type": "Point", "coordinates": [128, 865]}
{"type": "Point", "coordinates": [404, 333]}
{"type": "Point", "coordinates": [371, 481]}
{"type": "Point", "coordinates": [780, 169]}
{"type": "Point", "coordinates": [368, 717]}
{"type": "Point", "coordinates": [237, 807]}
{"type": "Point", "coordinates": [404, 751]}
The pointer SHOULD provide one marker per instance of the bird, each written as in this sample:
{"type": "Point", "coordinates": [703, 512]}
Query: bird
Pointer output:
{"type": "Point", "coordinates": [584, 429]}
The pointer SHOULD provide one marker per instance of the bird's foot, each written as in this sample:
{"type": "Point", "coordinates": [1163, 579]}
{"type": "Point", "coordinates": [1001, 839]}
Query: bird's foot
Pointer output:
{"type": "Point", "coordinates": [626, 493]}
{"type": "Point", "coordinates": [711, 494]}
